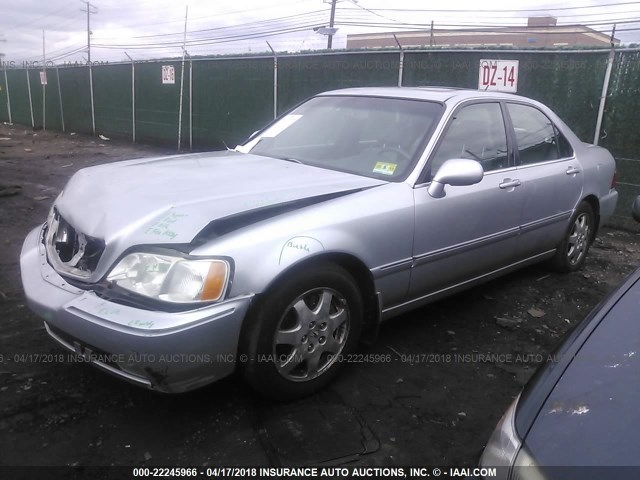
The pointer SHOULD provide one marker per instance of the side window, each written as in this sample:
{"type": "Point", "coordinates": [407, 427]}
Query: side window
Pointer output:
{"type": "Point", "coordinates": [537, 138]}
{"type": "Point", "coordinates": [565, 148]}
{"type": "Point", "coordinates": [476, 132]}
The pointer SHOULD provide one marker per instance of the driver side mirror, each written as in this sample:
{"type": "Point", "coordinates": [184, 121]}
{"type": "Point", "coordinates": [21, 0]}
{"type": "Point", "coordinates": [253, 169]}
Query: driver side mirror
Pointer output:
{"type": "Point", "coordinates": [457, 172]}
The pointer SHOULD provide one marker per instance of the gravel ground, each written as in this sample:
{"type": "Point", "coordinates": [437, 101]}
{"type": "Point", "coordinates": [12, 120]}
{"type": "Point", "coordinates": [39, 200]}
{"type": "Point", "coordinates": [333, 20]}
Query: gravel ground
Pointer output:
{"type": "Point", "coordinates": [452, 368]}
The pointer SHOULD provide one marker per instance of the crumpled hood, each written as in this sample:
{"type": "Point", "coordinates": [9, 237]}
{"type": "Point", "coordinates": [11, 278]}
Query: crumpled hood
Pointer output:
{"type": "Point", "coordinates": [170, 199]}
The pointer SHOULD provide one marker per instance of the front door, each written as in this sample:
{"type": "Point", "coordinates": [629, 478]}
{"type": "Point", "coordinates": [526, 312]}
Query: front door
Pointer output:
{"type": "Point", "coordinates": [473, 229]}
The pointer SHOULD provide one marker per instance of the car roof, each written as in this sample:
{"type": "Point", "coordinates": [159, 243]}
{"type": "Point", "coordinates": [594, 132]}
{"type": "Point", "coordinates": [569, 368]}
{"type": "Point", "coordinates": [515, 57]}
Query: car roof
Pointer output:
{"type": "Point", "coordinates": [439, 94]}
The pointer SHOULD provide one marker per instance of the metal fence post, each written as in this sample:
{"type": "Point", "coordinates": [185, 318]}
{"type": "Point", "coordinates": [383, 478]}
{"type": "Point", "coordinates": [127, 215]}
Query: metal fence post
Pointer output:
{"type": "Point", "coordinates": [93, 110]}
{"type": "Point", "coordinates": [6, 85]}
{"type": "Point", "coordinates": [190, 104]}
{"type": "Point", "coordinates": [184, 52]}
{"type": "Point", "coordinates": [30, 100]}
{"type": "Point", "coordinates": [60, 99]}
{"type": "Point", "coordinates": [133, 98]}
{"type": "Point", "coordinates": [43, 81]}
{"type": "Point", "coordinates": [401, 64]}
{"type": "Point", "coordinates": [44, 103]}
{"type": "Point", "coordinates": [275, 81]}
{"type": "Point", "coordinates": [180, 106]}
{"type": "Point", "coordinates": [603, 95]}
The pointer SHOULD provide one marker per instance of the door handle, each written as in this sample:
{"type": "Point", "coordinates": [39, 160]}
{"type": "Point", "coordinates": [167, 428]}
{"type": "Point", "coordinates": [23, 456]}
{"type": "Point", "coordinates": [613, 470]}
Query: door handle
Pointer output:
{"type": "Point", "coordinates": [572, 171]}
{"type": "Point", "coordinates": [508, 183]}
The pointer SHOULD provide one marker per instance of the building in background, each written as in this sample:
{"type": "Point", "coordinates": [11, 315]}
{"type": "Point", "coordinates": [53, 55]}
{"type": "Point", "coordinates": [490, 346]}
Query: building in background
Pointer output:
{"type": "Point", "coordinates": [540, 32]}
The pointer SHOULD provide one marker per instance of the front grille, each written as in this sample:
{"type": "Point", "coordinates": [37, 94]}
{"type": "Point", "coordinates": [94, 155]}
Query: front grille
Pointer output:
{"type": "Point", "coordinates": [70, 251]}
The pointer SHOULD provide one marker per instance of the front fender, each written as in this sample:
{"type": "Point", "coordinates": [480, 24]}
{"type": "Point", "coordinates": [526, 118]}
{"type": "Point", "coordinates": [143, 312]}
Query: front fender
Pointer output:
{"type": "Point", "coordinates": [374, 226]}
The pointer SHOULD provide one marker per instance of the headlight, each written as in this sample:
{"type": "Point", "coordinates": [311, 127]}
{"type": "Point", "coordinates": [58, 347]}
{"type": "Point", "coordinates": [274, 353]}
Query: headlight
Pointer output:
{"type": "Point", "coordinates": [505, 450]}
{"type": "Point", "coordinates": [172, 279]}
{"type": "Point", "coordinates": [526, 468]}
{"type": "Point", "coordinates": [503, 445]}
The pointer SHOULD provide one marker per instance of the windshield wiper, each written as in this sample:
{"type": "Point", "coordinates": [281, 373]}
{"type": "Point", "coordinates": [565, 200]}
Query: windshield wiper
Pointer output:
{"type": "Point", "coordinates": [227, 147]}
{"type": "Point", "coordinates": [279, 157]}
{"type": "Point", "coordinates": [288, 159]}
{"type": "Point", "coordinates": [291, 159]}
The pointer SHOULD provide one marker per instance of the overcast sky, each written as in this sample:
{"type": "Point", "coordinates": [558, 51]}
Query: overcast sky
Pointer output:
{"type": "Point", "coordinates": [154, 28]}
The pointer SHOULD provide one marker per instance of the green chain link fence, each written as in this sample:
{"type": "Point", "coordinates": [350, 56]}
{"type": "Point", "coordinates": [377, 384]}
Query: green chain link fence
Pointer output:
{"type": "Point", "coordinates": [225, 99]}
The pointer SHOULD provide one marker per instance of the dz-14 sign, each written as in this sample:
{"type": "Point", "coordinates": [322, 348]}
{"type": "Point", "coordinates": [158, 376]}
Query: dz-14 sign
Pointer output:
{"type": "Point", "coordinates": [498, 75]}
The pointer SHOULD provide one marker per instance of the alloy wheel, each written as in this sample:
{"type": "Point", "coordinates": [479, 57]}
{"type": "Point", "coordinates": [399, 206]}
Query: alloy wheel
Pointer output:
{"type": "Point", "coordinates": [311, 334]}
{"type": "Point", "coordinates": [578, 239]}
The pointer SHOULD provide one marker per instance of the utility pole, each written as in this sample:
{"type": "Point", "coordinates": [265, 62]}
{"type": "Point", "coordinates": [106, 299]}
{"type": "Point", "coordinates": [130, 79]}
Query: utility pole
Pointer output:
{"type": "Point", "coordinates": [331, 20]}
{"type": "Point", "coordinates": [2, 64]}
{"type": "Point", "coordinates": [613, 36]}
{"type": "Point", "coordinates": [431, 35]}
{"type": "Point", "coordinates": [91, 9]}
{"type": "Point", "coordinates": [43, 80]}
{"type": "Point", "coordinates": [2, 39]}
{"type": "Point", "coordinates": [6, 82]}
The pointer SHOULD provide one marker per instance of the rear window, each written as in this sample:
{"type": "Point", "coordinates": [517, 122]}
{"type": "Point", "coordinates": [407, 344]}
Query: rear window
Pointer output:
{"type": "Point", "coordinates": [537, 139]}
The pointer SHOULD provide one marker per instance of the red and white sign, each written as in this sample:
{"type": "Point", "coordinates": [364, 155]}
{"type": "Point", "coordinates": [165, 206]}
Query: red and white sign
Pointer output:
{"type": "Point", "coordinates": [168, 74]}
{"type": "Point", "coordinates": [498, 75]}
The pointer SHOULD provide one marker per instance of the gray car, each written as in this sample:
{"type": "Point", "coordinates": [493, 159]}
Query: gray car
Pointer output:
{"type": "Point", "coordinates": [278, 257]}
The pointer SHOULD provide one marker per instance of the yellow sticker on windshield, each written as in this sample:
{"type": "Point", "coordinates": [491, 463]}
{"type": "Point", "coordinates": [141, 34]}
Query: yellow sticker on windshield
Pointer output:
{"type": "Point", "coordinates": [385, 168]}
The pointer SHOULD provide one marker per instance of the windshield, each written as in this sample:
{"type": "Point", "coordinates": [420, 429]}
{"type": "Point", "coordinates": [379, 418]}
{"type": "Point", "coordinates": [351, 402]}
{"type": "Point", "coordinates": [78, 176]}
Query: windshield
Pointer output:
{"type": "Point", "coordinates": [369, 136]}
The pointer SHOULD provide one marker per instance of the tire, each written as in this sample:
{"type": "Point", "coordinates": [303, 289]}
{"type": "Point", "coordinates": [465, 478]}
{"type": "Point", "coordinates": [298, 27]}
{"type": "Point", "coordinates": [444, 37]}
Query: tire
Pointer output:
{"type": "Point", "coordinates": [295, 335]}
{"type": "Point", "coordinates": [572, 251]}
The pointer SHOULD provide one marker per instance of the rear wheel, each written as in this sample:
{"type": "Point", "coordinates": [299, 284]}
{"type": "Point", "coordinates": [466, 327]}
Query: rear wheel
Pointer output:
{"type": "Point", "coordinates": [573, 249]}
{"type": "Point", "coordinates": [297, 334]}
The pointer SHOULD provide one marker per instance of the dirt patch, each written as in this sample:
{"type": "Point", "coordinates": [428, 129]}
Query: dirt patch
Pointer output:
{"type": "Point", "coordinates": [449, 369]}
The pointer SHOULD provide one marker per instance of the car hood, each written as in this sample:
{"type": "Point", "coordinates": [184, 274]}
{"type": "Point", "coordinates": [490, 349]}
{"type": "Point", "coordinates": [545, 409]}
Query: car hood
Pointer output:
{"type": "Point", "coordinates": [170, 199]}
{"type": "Point", "coordinates": [591, 416]}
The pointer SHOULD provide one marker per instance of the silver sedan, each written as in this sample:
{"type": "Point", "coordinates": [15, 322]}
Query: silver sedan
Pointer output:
{"type": "Point", "coordinates": [277, 257]}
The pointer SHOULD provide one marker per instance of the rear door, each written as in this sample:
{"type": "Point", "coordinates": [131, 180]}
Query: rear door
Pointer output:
{"type": "Point", "coordinates": [550, 175]}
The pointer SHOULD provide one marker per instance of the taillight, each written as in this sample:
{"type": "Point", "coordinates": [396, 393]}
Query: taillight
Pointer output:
{"type": "Point", "coordinates": [614, 179]}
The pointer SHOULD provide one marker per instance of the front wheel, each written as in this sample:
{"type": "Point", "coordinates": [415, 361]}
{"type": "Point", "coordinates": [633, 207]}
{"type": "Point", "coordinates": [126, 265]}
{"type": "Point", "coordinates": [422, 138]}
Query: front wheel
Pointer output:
{"type": "Point", "coordinates": [573, 249]}
{"type": "Point", "coordinates": [297, 335]}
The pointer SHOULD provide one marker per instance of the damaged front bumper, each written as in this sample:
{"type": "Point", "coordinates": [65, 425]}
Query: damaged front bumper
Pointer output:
{"type": "Point", "coordinates": [169, 352]}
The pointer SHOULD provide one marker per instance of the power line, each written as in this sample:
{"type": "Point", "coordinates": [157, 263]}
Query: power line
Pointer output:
{"type": "Point", "coordinates": [348, 17]}
{"type": "Point", "coordinates": [60, 51]}
{"type": "Point", "coordinates": [600, 21]}
{"type": "Point", "coordinates": [68, 54]}
{"type": "Point", "coordinates": [213, 40]}
{"type": "Point", "coordinates": [524, 30]}
{"type": "Point", "coordinates": [206, 17]}
{"type": "Point", "coordinates": [308, 16]}
{"type": "Point", "coordinates": [624, 20]}
{"type": "Point", "coordinates": [502, 10]}
{"type": "Point", "coordinates": [272, 26]}
{"type": "Point", "coordinates": [29, 22]}
{"type": "Point", "coordinates": [316, 14]}
{"type": "Point", "coordinates": [441, 19]}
